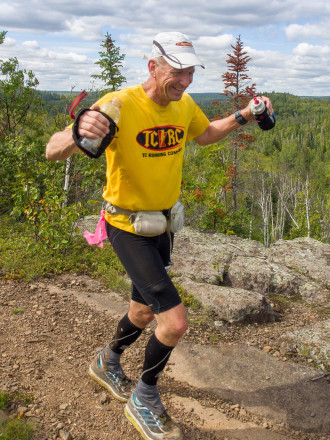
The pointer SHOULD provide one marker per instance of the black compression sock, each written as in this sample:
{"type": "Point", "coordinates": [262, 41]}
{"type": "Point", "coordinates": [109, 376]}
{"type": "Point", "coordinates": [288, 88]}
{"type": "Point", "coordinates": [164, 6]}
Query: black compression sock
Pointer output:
{"type": "Point", "coordinates": [126, 334]}
{"type": "Point", "coordinates": [156, 357]}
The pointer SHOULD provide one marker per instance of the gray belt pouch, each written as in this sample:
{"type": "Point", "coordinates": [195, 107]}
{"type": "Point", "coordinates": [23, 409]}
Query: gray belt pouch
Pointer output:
{"type": "Point", "coordinates": [149, 223]}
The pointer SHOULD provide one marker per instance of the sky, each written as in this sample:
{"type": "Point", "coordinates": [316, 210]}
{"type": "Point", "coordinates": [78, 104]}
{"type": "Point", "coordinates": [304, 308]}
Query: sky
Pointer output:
{"type": "Point", "coordinates": [59, 40]}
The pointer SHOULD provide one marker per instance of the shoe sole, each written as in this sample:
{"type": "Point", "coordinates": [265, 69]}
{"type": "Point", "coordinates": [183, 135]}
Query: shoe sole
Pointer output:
{"type": "Point", "coordinates": [136, 424]}
{"type": "Point", "coordinates": [106, 385]}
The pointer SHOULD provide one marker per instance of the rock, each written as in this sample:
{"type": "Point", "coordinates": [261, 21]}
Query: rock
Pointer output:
{"type": "Point", "coordinates": [313, 293]}
{"type": "Point", "coordinates": [204, 257]}
{"type": "Point", "coordinates": [267, 277]}
{"type": "Point", "coordinates": [298, 267]}
{"type": "Point", "coordinates": [64, 435]}
{"type": "Point", "coordinates": [104, 398]}
{"type": "Point", "coordinates": [311, 342]}
{"type": "Point", "coordinates": [291, 268]}
{"type": "Point", "coordinates": [22, 410]}
{"type": "Point", "coordinates": [262, 276]}
{"type": "Point", "coordinates": [230, 305]}
{"type": "Point", "coordinates": [262, 384]}
{"type": "Point", "coordinates": [306, 256]}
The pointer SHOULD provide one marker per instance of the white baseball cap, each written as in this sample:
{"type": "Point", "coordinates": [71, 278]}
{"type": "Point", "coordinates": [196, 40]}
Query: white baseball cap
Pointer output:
{"type": "Point", "coordinates": [176, 48]}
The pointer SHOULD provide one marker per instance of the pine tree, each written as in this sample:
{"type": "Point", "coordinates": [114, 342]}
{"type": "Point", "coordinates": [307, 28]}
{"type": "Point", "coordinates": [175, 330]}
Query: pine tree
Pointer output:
{"type": "Point", "coordinates": [110, 63]}
{"type": "Point", "coordinates": [2, 36]}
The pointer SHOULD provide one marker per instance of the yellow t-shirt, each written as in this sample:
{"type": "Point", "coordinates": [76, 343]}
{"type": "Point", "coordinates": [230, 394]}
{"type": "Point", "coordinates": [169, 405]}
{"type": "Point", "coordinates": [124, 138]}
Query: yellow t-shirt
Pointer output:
{"type": "Point", "coordinates": [144, 162]}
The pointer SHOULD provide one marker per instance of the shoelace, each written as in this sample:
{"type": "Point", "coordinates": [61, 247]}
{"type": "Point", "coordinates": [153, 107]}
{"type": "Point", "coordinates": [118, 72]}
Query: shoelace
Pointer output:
{"type": "Point", "coordinates": [114, 377]}
{"type": "Point", "coordinates": [149, 418]}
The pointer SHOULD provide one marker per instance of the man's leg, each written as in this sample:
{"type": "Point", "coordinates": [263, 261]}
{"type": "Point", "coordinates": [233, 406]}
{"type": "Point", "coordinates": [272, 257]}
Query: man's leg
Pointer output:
{"type": "Point", "coordinates": [171, 325]}
{"type": "Point", "coordinates": [106, 368]}
{"type": "Point", "coordinates": [144, 409]}
{"type": "Point", "coordinates": [146, 260]}
{"type": "Point", "coordinates": [128, 331]}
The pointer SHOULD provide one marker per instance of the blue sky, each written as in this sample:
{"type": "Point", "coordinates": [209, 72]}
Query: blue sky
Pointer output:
{"type": "Point", "coordinates": [288, 41]}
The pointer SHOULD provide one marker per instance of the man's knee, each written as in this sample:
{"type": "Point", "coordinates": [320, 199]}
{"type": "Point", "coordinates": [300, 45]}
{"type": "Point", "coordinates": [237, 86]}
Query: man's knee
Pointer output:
{"type": "Point", "coordinates": [177, 330]}
{"type": "Point", "coordinates": [139, 314]}
{"type": "Point", "coordinates": [172, 324]}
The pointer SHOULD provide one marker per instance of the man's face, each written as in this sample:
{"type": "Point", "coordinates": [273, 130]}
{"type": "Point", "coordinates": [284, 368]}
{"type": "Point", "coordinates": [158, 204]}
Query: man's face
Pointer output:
{"type": "Point", "coordinates": [171, 82]}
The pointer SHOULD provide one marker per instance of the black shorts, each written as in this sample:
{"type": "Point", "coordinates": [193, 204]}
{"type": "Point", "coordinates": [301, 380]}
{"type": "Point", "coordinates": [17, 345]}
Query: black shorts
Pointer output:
{"type": "Point", "coordinates": [146, 260]}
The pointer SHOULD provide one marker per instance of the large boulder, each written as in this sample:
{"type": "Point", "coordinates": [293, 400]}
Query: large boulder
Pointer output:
{"type": "Point", "coordinates": [292, 268]}
{"type": "Point", "coordinates": [205, 257]}
{"type": "Point", "coordinates": [267, 277]}
{"type": "Point", "coordinates": [232, 305]}
{"type": "Point", "coordinates": [305, 256]}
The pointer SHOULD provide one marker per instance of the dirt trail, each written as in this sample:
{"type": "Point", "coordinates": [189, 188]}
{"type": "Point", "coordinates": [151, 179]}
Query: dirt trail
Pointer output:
{"type": "Point", "coordinates": [50, 331]}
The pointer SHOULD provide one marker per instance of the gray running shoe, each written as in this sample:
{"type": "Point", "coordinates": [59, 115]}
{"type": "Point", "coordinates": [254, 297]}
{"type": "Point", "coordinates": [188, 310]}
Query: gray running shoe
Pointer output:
{"type": "Point", "coordinates": [119, 387]}
{"type": "Point", "coordinates": [150, 425]}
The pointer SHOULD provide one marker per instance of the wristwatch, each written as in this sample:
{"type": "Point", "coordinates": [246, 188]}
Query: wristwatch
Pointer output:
{"type": "Point", "coordinates": [239, 118]}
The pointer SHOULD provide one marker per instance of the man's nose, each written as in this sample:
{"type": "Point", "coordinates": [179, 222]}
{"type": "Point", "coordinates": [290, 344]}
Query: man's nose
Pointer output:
{"type": "Point", "coordinates": [186, 80]}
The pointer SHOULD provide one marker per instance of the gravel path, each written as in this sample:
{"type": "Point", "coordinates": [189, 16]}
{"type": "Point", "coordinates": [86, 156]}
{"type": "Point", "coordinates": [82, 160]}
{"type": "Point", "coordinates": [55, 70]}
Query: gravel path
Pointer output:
{"type": "Point", "coordinates": [48, 338]}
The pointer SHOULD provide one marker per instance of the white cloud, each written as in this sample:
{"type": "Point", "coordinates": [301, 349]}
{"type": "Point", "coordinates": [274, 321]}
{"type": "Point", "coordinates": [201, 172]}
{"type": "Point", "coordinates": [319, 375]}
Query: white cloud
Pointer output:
{"type": "Point", "coordinates": [309, 31]}
{"type": "Point", "coordinates": [211, 44]}
{"type": "Point", "coordinates": [84, 28]}
{"type": "Point", "coordinates": [9, 42]}
{"type": "Point", "coordinates": [60, 40]}
{"type": "Point", "coordinates": [31, 44]}
{"type": "Point", "coordinates": [195, 18]}
{"type": "Point", "coordinates": [308, 50]}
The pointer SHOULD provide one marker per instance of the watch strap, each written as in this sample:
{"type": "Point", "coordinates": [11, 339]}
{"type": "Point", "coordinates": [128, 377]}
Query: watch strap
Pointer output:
{"type": "Point", "coordinates": [239, 118]}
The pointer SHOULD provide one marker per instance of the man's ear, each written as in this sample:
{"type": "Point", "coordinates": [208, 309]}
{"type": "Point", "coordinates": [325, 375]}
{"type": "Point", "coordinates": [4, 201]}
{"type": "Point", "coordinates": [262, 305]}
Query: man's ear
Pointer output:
{"type": "Point", "coordinates": [152, 67]}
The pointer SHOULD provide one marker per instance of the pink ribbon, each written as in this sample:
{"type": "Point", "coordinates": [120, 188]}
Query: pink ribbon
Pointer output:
{"type": "Point", "coordinates": [100, 232]}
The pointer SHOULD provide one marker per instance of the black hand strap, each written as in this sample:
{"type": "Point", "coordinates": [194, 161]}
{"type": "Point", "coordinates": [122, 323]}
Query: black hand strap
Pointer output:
{"type": "Point", "coordinates": [106, 141]}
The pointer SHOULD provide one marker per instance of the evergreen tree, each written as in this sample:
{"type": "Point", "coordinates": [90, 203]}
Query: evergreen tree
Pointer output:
{"type": "Point", "coordinates": [2, 36]}
{"type": "Point", "coordinates": [110, 63]}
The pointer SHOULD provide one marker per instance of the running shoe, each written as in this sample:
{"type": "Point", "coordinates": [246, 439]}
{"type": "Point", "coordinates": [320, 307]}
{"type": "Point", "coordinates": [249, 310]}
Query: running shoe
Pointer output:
{"type": "Point", "coordinates": [150, 425]}
{"type": "Point", "coordinates": [119, 387]}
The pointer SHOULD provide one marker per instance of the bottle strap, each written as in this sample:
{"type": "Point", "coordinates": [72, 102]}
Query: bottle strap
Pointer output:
{"type": "Point", "coordinates": [75, 102]}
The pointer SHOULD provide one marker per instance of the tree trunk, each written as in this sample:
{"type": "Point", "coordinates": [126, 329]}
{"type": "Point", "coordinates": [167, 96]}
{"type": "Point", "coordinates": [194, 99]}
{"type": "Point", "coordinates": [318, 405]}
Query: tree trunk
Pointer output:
{"type": "Point", "coordinates": [66, 181]}
{"type": "Point", "coordinates": [235, 178]}
{"type": "Point", "coordinates": [307, 207]}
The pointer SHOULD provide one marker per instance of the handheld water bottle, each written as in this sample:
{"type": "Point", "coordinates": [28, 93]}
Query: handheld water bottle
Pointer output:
{"type": "Point", "coordinates": [260, 112]}
{"type": "Point", "coordinates": [95, 147]}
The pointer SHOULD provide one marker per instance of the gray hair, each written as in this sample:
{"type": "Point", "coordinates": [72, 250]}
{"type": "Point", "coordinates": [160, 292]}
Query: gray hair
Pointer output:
{"type": "Point", "coordinates": [159, 61]}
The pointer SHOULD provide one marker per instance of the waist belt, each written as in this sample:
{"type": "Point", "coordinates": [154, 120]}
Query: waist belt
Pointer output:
{"type": "Point", "coordinates": [115, 210]}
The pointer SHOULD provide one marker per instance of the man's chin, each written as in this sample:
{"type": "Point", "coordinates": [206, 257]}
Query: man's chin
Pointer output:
{"type": "Point", "coordinates": [176, 96]}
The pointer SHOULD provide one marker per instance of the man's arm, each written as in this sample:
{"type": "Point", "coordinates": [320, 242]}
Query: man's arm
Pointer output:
{"type": "Point", "coordinates": [221, 128]}
{"type": "Point", "coordinates": [92, 124]}
{"type": "Point", "coordinates": [61, 146]}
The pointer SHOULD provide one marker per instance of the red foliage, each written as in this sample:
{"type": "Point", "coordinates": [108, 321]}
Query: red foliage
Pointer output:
{"type": "Point", "coordinates": [199, 194]}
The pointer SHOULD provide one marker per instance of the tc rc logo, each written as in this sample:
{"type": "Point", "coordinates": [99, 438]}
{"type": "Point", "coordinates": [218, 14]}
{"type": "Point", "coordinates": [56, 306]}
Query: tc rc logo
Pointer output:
{"type": "Point", "coordinates": [161, 138]}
